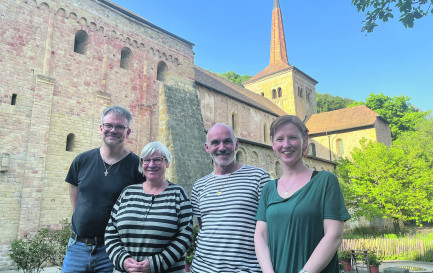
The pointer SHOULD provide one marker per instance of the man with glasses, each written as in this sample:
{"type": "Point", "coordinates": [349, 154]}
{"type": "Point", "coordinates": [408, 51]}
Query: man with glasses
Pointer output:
{"type": "Point", "coordinates": [96, 178]}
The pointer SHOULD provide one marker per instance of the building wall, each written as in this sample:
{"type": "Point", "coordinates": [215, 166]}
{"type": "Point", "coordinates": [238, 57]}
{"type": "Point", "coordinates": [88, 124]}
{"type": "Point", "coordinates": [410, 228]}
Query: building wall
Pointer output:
{"type": "Point", "coordinates": [383, 132]}
{"type": "Point", "coordinates": [283, 80]}
{"type": "Point", "coordinates": [60, 92]}
{"type": "Point", "coordinates": [350, 141]}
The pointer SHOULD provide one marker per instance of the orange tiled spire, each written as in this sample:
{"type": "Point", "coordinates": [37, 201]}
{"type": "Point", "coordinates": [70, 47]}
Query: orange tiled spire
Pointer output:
{"type": "Point", "coordinates": [278, 42]}
{"type": "Point", "coordinates": [278, 59]}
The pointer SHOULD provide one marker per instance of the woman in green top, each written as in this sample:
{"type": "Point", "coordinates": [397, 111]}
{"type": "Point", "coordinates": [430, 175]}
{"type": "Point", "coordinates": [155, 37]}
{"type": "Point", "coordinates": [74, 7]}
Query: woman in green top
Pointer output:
{"type": "Point", "coordinates": [301, 215]}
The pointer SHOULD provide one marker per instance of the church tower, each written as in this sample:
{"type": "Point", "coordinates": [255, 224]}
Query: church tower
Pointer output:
{"type": "Point", "coordinates": [284, 84]}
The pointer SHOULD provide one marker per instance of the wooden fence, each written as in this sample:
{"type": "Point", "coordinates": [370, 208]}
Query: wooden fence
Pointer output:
{"type": "Point", "coordinates": [403, 248]}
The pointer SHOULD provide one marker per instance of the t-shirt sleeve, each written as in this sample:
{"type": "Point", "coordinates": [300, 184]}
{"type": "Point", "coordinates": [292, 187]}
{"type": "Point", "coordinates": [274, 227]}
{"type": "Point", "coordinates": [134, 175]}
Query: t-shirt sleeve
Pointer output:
{"type": "Point", "coordinates": [195, 201]}
{"type": "Point", "coordinates": [263, 203]}
{"type": "Point", "coordinates": [335, 207]}
{"type": "Point", "coordinates": [72, 176]}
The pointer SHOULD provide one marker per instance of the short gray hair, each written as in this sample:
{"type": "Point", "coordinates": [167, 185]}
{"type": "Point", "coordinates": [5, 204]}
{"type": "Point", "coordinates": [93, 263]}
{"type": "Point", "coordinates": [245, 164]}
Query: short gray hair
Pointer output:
{"type": "Point", "coordinates": [117, 110]}
{"type": "Point", "coordinates": [150, 149]}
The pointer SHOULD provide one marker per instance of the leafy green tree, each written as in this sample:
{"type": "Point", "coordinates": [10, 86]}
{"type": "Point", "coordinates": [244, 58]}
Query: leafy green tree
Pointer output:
{"type": "Point", "coordinates": [409, 11]}
{"type": "Point", "coordinates": [327, 102]}
{"type": "Point", "coordinates": [397, 110]}
{"type": "Point", "coordinates": [393, 182]}
{"type": "Point", "coordinates": [234, 77]}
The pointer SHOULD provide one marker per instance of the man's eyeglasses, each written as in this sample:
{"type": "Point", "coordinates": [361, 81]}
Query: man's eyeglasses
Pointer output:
{"type": "Point", "coordinates": [109, 127]}
{"type": "Point", "coordinates": [156, 160]}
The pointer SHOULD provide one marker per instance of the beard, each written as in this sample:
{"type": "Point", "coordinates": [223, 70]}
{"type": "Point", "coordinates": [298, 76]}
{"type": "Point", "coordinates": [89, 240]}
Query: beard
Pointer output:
{"type": "Point", "coordinates": [223, 162]}
{"type": "Point", "coordinates": [113, 142]}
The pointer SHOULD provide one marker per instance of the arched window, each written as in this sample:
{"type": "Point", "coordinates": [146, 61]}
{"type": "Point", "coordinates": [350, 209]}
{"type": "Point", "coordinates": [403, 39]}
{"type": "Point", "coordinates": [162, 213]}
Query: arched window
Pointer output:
{"type": "Point", "coordinates": [340, 147]}
{"type": "Point", "coordinates": [235, 122]}
{"type": "Point", "coordinates": [14, 99]}
{"type": "Point", "coordinates": [70, 142]}
{"type": "Point", "coordinates": [299, 91]}
{"type": "Point", "coordinates": [312, 149]}
{"type": "Point", "coordinates": [125, 56]}
{"type": "Point", "coordinates": [80, 43]}
{"type": "Point", "coordinates": [161, 75]}
{"type": "Point", "coordinates": [274, 93]}
{"type": "Point", "coordinates": [263, 94]}
{"type": "Point", "coordinates": [240, 157]}
{"type": "Point", "coordinates": [280, 93]}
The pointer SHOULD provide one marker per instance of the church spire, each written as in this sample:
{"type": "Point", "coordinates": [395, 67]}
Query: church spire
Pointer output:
{"type": "Point", "coordinates": [278, 42]}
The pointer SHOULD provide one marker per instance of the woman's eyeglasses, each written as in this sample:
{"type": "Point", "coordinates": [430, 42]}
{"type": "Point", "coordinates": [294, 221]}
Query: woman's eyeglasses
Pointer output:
{"type": "Point", "coordinates": [156, 160]}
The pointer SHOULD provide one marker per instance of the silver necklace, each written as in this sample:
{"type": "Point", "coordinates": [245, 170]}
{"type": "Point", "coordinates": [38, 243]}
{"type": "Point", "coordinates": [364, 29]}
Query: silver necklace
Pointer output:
{"type": "Point", "coordinates": [106, 170]}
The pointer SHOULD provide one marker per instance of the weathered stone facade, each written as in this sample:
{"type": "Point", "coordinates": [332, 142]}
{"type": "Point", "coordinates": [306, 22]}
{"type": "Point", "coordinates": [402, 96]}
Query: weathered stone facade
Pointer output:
{"type": "Point", "coordinates": [62, 62]}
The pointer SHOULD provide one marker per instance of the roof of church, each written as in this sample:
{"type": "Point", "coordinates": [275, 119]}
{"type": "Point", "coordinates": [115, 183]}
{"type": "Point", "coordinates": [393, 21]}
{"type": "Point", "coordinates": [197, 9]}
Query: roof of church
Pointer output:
{"type": "Point", "coordinates": [343, 119]}
{"type": "Point", "coordinates": [142, 20]}
{"type": "Point", "coordinates": [218, 84]}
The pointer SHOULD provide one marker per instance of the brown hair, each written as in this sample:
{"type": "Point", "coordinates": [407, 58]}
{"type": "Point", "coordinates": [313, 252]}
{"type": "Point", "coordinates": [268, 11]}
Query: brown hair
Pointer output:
{"type": "Point", "coordinates": [278, 122]}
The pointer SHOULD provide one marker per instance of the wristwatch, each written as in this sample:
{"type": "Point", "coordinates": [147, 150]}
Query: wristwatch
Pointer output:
{"type": "Point", "coordinates": [303, 271]}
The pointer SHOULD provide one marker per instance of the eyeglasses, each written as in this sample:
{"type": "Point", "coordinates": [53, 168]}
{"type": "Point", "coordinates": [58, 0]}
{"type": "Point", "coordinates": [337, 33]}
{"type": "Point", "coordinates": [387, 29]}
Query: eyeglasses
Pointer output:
{"type": "Point", "coordinates": [117, 128]}
{"type": "Point", "coordinates": [156, 160]}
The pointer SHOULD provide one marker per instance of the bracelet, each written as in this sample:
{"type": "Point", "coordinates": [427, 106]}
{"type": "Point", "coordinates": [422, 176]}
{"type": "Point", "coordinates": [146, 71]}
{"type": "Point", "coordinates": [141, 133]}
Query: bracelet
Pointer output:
{"type": "Point", "coordinates": [303, 271]}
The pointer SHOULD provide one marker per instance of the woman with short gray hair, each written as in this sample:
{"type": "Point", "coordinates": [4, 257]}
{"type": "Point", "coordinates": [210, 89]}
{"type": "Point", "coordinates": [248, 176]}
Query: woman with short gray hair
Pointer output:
{"type": "Point", "coordinates": [150, 226]}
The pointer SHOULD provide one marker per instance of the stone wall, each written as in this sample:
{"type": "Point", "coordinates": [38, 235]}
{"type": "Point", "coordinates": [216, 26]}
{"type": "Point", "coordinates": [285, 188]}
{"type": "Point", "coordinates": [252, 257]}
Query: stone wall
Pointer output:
{"type": "Point", "coordinates": [49, 93]}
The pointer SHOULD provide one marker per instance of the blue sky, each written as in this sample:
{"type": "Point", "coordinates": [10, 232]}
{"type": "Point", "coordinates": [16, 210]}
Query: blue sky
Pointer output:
{"type": "Point", "coordinates": [323, 39]}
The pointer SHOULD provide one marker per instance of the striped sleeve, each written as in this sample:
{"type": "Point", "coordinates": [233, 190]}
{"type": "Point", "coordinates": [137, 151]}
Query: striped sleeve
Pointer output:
{"type": "Point", "coordinates": [113, 243]}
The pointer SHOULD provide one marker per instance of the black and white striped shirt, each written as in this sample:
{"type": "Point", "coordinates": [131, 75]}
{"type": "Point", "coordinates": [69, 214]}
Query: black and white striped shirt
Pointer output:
{"type": "Point", "coordinates": [226, 239]}
{"type": "Point", "coordinates": [157, 227]}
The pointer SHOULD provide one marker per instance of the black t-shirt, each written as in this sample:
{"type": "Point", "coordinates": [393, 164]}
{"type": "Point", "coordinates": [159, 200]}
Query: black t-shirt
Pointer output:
{"type": "Point", "coordinates": [97, 192]}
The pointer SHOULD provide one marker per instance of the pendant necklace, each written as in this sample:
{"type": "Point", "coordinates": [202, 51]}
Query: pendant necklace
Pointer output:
{"type": "Point", "coordinates": [219, 190]}
{"type": "Point", "coordinates": [106, 170]}
{"type": "Point", "coordinates": [284, 188]}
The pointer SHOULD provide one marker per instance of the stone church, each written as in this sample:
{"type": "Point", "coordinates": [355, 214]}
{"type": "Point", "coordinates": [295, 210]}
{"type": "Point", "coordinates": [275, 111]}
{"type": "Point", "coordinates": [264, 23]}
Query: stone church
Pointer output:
{"type": "Point", "coordinates": [62, 62]}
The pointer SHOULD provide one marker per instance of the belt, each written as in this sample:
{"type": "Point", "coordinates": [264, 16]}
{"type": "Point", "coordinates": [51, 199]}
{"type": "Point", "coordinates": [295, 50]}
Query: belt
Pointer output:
{"type": "Point", "coordinates": [88, 240]}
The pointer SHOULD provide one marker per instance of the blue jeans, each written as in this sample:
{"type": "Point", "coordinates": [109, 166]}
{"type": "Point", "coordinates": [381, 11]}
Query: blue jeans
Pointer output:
{"type": "Point", "coordinates": [82, 258]}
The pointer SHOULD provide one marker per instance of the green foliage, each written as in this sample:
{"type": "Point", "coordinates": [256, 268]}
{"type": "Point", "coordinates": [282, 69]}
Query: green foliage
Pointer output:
{"type": "Point", "coordinates": [327, 102]}
{"type": "Point", "coordinates": [387, 182]}
{"type": "Point", "coordinates": [373, 259]}
{"type": "Point", "coordinates": [344, 255]}
{"type": "Point", "coordinates": [401, 115]}
{"type": "Point", "coordinates": [383, 10]}
{"type": "Point", "coordinates": [189, 255]}
{"type": "Point", "coordinates": [234, 77]}
{"type": "Point", "coordinates": [45, 247]}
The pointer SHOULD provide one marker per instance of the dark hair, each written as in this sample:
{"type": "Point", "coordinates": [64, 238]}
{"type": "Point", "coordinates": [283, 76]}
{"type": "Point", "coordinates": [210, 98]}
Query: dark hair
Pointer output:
{"type": "Point", "coordinates": [278, 122]}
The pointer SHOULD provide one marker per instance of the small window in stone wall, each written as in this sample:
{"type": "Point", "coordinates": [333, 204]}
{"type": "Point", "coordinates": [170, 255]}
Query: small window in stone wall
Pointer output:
{"type": "Point", "coordinates": [274, 93]}
{"type": "Point", "coordinates": [125, 57]}
{"type": "Point", "coordinates": [70, 143]}
{"type": "Point", "coordinates": [265, 133]}
{"type": "Point", "coordinates": [280, 93]}
{"type": "Point", "coordinates": [14, 99]}
{"type": "Point", "coordinates": [235, 122]}
{"type": "Point", "coordinates": [312, 149]}
{"type": "Point", "coordinates": [300, 92]}
{"type": "Point", "coordinates": [340, 147]}
{"type": "Point", "coordinates": [162, 71]}
{"type": "Point", "coordinates": [240, 157]}
{"type": "Point", "coordinates": [263, 94]}
{"type": "Point", "coordinates": [80, 44]}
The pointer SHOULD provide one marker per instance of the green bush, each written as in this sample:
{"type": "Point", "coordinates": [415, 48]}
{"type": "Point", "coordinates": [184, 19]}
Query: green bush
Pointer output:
{"type": "Point", "coordinates": [46, 247]}
{"type": "Point", "coordinates": [189, 255]}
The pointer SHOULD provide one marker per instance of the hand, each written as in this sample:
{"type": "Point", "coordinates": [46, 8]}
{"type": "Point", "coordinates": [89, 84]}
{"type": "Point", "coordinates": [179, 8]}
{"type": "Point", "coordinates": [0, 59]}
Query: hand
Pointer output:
{"type": "Point", "coordinates": [132, 266]}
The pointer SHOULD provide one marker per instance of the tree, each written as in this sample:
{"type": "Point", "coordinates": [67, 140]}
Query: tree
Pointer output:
{"type": "Point", "coordinates": [383, 10]}
{"type": "Point", "coordinates": [327, 102]}
{"type": "Point", "coordinates": [401, 115]}
{"type": "Point", "coordinates": [387, 182]}
{"type": "Point", "coordinates": [234, 77]}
